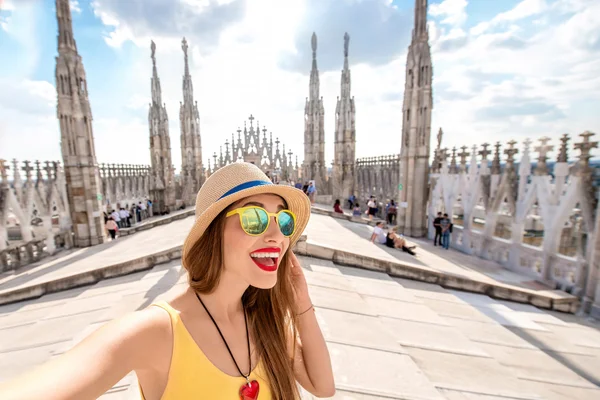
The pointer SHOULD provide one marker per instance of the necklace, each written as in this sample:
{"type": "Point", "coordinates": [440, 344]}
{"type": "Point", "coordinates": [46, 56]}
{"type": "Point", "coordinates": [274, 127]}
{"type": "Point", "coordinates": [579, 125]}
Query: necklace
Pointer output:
{"type": "Point", "coordinates": [249, 390]}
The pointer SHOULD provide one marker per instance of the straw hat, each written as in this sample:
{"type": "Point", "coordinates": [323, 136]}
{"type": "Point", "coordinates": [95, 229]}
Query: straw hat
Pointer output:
{"type": "Point", "coordinates": [235, 182]}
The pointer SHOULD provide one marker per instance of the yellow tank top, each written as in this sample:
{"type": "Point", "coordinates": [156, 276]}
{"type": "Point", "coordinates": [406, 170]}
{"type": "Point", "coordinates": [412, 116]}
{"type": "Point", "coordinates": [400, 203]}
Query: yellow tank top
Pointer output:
{"type": "Point", "coordinates": [193, 376]}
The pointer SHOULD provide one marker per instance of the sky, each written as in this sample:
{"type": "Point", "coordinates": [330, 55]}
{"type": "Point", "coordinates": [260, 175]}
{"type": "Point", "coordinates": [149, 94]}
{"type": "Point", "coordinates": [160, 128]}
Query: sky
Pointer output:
{"type": "Point", "coordinates": [502, 70]}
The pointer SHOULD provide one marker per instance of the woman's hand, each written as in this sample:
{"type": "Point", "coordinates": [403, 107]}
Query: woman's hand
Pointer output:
{"type": "Point", "coordinates": [301, 294]}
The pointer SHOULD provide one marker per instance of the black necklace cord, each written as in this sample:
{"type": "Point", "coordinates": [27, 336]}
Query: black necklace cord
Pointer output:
{"type": "Point", "coordinates": [225, 341]}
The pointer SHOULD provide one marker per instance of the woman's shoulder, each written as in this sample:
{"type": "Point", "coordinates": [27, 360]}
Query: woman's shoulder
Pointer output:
{"type": "Point", "coordinates": [151, 322]}
{"type": "Point", "coordinates": [142, 332]}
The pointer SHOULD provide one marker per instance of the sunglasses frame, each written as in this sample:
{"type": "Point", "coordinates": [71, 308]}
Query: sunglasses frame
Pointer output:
{"type": "Point", "coordinates": [241, 210]}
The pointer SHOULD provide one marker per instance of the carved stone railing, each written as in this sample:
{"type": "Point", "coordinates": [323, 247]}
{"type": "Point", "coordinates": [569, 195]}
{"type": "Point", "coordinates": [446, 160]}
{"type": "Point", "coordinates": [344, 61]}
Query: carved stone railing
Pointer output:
{"type": "Point", "coordinates": [34, 212]}
{"type": "Point", "coordinates": [377, 176]}
{"type": "Point", "coordinates": [124, 185]}
{"type": "Point", "coordinates": [550, 200]}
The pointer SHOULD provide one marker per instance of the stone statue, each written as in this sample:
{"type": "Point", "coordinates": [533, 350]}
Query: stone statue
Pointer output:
{"type": "Point", "coordinates": [184, 47]}
{"type": "Point", "coordinates": [313, 43]}
{"type": "Point", "coordinates": [346, 43]}
{"type": "Point", "coordinates": [153, 49]}
{"type": "Point", "coordinates": [439, 138]}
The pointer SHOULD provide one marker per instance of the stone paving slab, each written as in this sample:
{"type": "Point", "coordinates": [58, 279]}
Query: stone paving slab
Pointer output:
{"type": "Point", "coordinates": [537, 365]}
{"type": "Point", "coordinates": [328, 238]}
{"type": "Point", "coordinates": [346, 242]}
{"type": "Point", "coordinates": [89, 265]}
{"type": "Point", "coordinates": [379, 354]}
{"type": "Point", "coordinates": [469, 374]}
{"type": "Point", "coordinates": [432, 337]}
{"type": "Point", "coordinates": [404, 310]}
{"type": "Point", "coordinates": [562, 392]}
{"type": "Point", "coordinates": [484, 332]}
{"type": "Point", "coordinates": [368, 332]}
{"type": "Point", "coordinates": [379, 373]}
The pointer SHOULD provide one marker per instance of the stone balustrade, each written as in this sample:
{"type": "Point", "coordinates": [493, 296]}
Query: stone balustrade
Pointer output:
{"type": "Point", "coordinates": [532, 216]}
{"type": "Point", "coordinates": [34, 212]}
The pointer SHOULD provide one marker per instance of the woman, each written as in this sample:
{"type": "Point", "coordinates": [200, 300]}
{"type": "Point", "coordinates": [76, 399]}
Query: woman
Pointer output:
{"type": "Point", "coordinates": [337, 206]}
{"type": "Point", "coordinates": [391, 211]}
{"type": "Point", "coordinates": [398, 242]}
{"type": "Point", "coordinates": [111, 227]}
{"type": "Point", "coordinates": [244, 328]}
{"type": "Point", "coordinates": [372, 207]}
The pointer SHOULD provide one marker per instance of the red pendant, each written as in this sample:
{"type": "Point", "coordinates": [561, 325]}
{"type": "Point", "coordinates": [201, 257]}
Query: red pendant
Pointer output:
{"type": "Point", "coordinates": [249, 392]}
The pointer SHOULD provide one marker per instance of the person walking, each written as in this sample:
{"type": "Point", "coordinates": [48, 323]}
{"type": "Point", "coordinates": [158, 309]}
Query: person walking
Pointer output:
{"type": "Point", "coordinates": [116, 217]}
{"type": "Point", "coordinates": [244, 326]}
{"type": "Point", "coordinates": [391, 212]}
{"type": "Point", "coordinates": [445, 225]}
{"type": "Point", "coordinates": [311, 191]}
{"type": "Point", "coordinates": [351, 201]}
{"type": "Point", "coordinates": [438, 229]}
{"type": "Point", "coordinates": [124, 215]}
{"type": "Point", "coordinates": [112, 228]}
{"type": "Point", "coordinates": [372, 207]}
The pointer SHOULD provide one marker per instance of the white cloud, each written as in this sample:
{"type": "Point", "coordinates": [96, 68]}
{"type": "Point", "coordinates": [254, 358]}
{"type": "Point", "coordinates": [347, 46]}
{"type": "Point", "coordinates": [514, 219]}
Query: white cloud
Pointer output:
{"type": "Point", "coordinates": [489, 84]}
{"type": "Point", "coordinates": [6, 8]}
{"type": "Point", "coordinates": [27, 115]}
{"type": "Point", "coordinates": [7, 5]}
{"type": "Point", "coordinates": [454, 11]}
{"type": "Point", "coordinates": [75, 7]}
{"type": "Point", "coordinates": [524, 9]}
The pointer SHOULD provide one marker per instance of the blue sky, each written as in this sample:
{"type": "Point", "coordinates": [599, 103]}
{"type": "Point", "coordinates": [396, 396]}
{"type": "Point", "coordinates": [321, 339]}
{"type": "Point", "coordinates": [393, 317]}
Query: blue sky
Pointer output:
{"type": "Point", "coordinates": [503, 70]}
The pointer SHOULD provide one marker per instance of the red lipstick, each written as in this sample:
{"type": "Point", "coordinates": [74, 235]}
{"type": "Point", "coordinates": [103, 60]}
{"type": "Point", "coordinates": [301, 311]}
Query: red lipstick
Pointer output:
{"type": "Point", "coordinates": [264, 262]}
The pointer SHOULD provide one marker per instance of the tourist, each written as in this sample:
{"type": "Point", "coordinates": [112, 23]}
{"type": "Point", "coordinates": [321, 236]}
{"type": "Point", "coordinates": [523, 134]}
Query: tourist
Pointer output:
{"type": "Point", "coordinates": [351, 201]}
{"type": "Point", "coordinates": [311, 191]}
{"type": "Point", "coordinates": [305, 188]}
{"type": "Point", "coordinates": [116, 217]}
{"type": "Point", "coordinates": [125, 217]}
{"type": "Point", "coordinates": [337, 207]}
{"type": "Point", "coordinates": [390, 212]}
{"type": "Point", "coordinates": [378, 235]}
{"type": "Point", "coordinates": [438, 229]}
{"type": "Point", "coordinates": [149, 205]}
{"type": "Point", "coordinates": [135, 211]}
{"type": "Point", "coordinates": [372, 204]}
{"type": "Point", "coordinates": [111, 227]}
{"type": "Point", "coordinates": [243, 280]}
{"type": "Point", "coordinates": [356, 210]}
{"type": "Point", "coordinates": [144, 209]}
{"type": "Point", "coordinates": [399, 242]}
{"type": "Point", "coordinates": [445, 226]}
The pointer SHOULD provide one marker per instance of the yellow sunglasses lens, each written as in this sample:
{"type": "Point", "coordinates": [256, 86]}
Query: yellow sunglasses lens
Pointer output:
{"type": "Point", "coordinates": [256, 220]}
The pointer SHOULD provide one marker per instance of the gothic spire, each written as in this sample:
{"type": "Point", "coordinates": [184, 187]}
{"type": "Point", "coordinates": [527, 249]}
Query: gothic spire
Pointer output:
{"type": "Point", "coordinates": [66, 40]}
{"type": "Point", "coordinates": [420, 29]}
{"type": "Point", "coordinates": [188, 89]}
{"type": "Point", "coordinates": [346, 71]}
{"type": "Point", "coordinates": [156, 92]}
{"type": "Point", "coordinates": [346, 44]}
{"type": "Point", "coordinates": [314, 73]}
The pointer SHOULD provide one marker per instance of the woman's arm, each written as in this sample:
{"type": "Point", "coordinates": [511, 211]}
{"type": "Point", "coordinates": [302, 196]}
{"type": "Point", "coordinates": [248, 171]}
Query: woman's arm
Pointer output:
{"type": "Point", "coordinates": [312, 363]}
{"type": "Point", "coordinates": [93, 366]}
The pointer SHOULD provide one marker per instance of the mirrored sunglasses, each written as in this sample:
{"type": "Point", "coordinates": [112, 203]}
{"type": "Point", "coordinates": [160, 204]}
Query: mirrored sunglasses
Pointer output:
{"type": "Point", "coordinates": [256, 220]}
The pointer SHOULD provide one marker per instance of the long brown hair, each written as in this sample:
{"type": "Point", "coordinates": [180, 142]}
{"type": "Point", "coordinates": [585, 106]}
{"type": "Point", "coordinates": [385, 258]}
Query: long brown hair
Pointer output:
{"type": "Point", "coordinates": [270, 314]}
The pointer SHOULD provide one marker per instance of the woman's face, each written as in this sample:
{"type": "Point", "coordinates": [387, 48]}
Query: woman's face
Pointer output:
{"type": "Point", "coordinates": [242, 252]}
